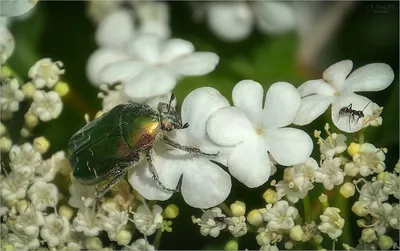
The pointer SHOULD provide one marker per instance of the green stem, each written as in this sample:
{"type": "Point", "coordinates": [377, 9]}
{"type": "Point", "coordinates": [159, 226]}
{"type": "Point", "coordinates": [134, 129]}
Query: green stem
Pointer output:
{"type": "Point", "coordinates": [226, 209]}
{"type": "Point", "coordinates": [361, 138]}
{"type": "Point", "coordinates": [157, 239]}
{"type": "Point", "coordinates": [307, 208]}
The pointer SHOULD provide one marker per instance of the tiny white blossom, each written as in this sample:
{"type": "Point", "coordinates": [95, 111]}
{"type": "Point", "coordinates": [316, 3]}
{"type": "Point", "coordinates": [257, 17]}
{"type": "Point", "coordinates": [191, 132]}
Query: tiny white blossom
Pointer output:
{"type": "Point", "coordinates": [112, 220]}
{"type": "Point", "coordinates": [153, 17]}
{"type": "Point", "coordinates": [297, 181]}
{"type": "Point", "coordinates": [374, 119]}
{"type": "Point", "coordinates": [310, 231]}
{"type": "Point", "coordinates": [43, 195]}
{"type": "Point", "coordinates": [24, 160]}
{"type": "Point", "coordinates": [338, 89]}
{"type": "Point", "coordinates": [371, 192]}
{"type": "Point", "coordinates": [55, 230]}
{"type": "Point", "coordinates": [10, 96]}
{"type": "Point", "coordinates": [267, 237]}
{"type": "Point", "coordinates": [81, 195]}
{"type": "Point", "coordinates": [46, 105]}
{"type": "Point", "coordinates": [368, 161]}
{"type": "Point", "coordinates": [330, 173]}
{"type": "Point", "coordinates": [86, 222]}
{"type": "Point", "coordinates": [332, 145]}
{"type": "Point", "coordinates": [49, 168]}
{"type": "Point", "coordinates": [139, 245]}
{"type": "Point", "coordinates": [392, 185]}
{"type": "Point", "coordinates": [46, 73]}
{"type": "Point", "coordinates": [146, 221]}
{"type": "Point", "coordinates": [7, 43]}
{"type": "Point", "coordinates": [237, 226]}
{"type": "Point", "coordinates": [254, 129]}
{"type": "Point", "coordinates": [148, 66]}
{"type": "Point", "coordinates": [20, 242]}
{"type": "Point", "coordinates": [279, 216]}
{"type": "Point", "coordinates": [208, 223]}
{"type": "Point", "coordinates": [393, 217]}
{"type": "Point", "coordinates": [29, 221]}
{"type": "Point", "coordinates": [381, 216]}
{"type": "Point", "coordinates": [13, 187]}
{"type": "Point", "coordinates": [331, 222]}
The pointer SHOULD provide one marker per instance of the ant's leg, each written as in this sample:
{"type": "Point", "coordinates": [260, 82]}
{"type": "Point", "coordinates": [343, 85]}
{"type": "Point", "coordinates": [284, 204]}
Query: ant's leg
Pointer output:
{"type": "Point", "coordinates": [154, 173]}
{"type": "Point", "coordinates": [115, 180]}
{"type": "Point", "coordinates": [189, 149]}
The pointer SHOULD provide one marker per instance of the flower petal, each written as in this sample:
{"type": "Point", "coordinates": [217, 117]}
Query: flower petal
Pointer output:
{"type": "Point", "coordinates": [336, 74]}
{"type": "Point", "coordinates": [151, 82]}
{"type": "Point", "coordinates": [198, 107]}
{"type": "Point", "coordinates": [229, 126]}
{"type": "Point", "coordinates": [9, 8]}
{"type": "Point", "coordinates": [312, 107]}
{"type": "Point", "coordinates": [281, 105]}
{"type": "Point", "coordinates": [249, 162]}
{"type": "Point", "coordinates": [175, 48]}
{"type": "Point", "coordinates": [115, 29]}
{"type": "Point", "coordinates": [274, 17]}
{"type": "Point", "coordinates": [318, 86]}
{"type": "Point", "coordinates": [248, 96]}
{"type": "Point", "coordinates": [204, 183]}
{"type": "Point", "coordinates": [346, 122]}
{"type": "Point", "coordinates": [145, 47]}
{"type": "Point", "coordinates": [195, 64]}
{"type": "Point", "coordinates": [371, 77]}
{"type": "Point", "coordinates": [120, 71]}
{"type": "Point", "coordinates": [99, 59]}
{"type": "Point", "coordinates": [288, 146]}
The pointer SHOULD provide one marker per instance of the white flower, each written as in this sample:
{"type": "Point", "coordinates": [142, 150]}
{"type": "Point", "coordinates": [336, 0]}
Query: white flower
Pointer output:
{"type": "Point", "coordinates": [7, 43]}
{"type": "Point", "coordinates": [46, 73]}
{"type": "Point", "coordinates": [139, 245]}
{"type": "Point", "coordinates": [112, 220]}
{"type": "Point", "coordinates": [331, 223]}
{"type": "Point", "coordinates": [237, 226]}
{"type": "Point", "coordinates": [368, 161]}
{"type": "Point", "coordinates": [204, 184]}
{"type": "Point", "coordinates": [24, 160]}
{"type": "Point", "coordinates": [208, 223]}
{"type": "Point", "coordinates": [29, 221]}
{"type": "Point", "coordinates": [81, 195]}
{"type": "Point", "coordinates": [55, 230]}
{"type": "Point", "coordinates": [393, 217]}
{"type": "Point", "coordinates": [338, 89]}
{"type": "Point", "coordinates": [297, 181]}
{"type": "Point", "coordinates": [392, 184]}
{"type": "Point", "coordinates": [13, 187]}
{"type": "Point", "coordinates": [148, 66]}
{"type": "Point", "coordinates": [43, 195]}
{"type": "Point", "coordinates": [98, 10]}
{"type": "Point", "coordinates": [153, 17]}
{"type": "Point", "coordinates": [10, 96]}
{"type": "Point", "coordinates": [332, 145]}
{"type": "Point", "coordinates": [16, 8]}
{"type": "Point", "coordinates": [330, 173]}
{"type": "Point", "coordinates": [146, 221]}
{"type": "Point", "coordinates": [86, 222]}
{"type": "Point", "coordinates": [21, 243]}
{"type": "Point", "coordinates": [371, 192]}
{"type": "Point", "coordinates": [46, 105]}
{"type": "Point", "coordinates": [49, 168]}
{"type": "Point", "coordinates": [381, 215]}
{"type": "Point", "coordinates": [279, 216]}
{"type": "Point", "coordinates": [267, 237]}
{"type": "Point", "coordinates": [255, 130]}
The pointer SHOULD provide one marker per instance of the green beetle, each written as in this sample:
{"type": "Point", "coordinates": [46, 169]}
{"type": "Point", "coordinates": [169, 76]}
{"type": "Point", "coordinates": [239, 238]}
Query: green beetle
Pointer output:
{"type": "Point", "coordinates": [106, 147]}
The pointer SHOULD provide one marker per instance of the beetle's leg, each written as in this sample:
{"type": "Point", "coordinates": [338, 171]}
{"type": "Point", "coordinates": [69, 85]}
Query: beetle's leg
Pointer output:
{"type": "Point", "coordinates": [117, 178]}
{"type": "Point", "coordinates": [189, 149]}
{"type": "Point", "coordinates": [154, 173]}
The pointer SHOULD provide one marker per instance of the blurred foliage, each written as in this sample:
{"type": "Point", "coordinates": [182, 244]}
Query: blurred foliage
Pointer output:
{"type": "Point", "coordinates": [62, 31]}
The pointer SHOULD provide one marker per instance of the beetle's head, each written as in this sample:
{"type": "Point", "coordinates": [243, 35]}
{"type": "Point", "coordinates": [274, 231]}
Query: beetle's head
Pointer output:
{"type": "Point", "coordinates": [170, 118]}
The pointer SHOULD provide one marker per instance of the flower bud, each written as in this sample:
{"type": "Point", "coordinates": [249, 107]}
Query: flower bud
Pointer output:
{"type": "Point", "coordinates": [61, 88]}
{"type": "Point", "coordinates": [360, 208]}
{"type": "Point", "coordinates": [231, 245]}
{"type": "Point", "coordinates": [5, 144]}
{"type": "Point", "coordinates": [41, 144]}
{"type": "Point", "coordinates": [31, 120]}
{"type": "Point", "coordinates": [289, 245]}
{"type": "Point", "coordinates": [25, 132]}
{"type": "Point", "coordinates": [318, 238]}
{"type": "Point", "coordinates": [2, 129]}
{"type": "Point", "coordinates": [238, 208]}
{"type": "Point", "coordinates": [361, 223]}
{"type": "Point", "coordinates": [296, 233]}
{"type": "Point", "coordinates": [270, 196]}
{"type": "Point", "coordinates": [171, 211]}
{"type": "Point", "coordinates": [255, 218]}
{"type": "Point", "coordinates": [5, 72]}
{"type": "Point", "coordinates": [21, 206]}
{"type": "Point", "coordinates": [385, 242]}
{"type": "Point", "coordinates": [353, 149]}
{"type": "Point", "coordinates": [93, 243]}
{"type": "Point", "coordinates": [383, 176]}
{"type": "Point", "coordinates": [347, 190]}
{"type": "Point", "coordinates": [124, 237]}
{"type": "Point", "coordinates": [368, 235]}
{"type": "Point", "coordinates": [66, 212]}
{"type": "Point", "coordinates": [28, 89]}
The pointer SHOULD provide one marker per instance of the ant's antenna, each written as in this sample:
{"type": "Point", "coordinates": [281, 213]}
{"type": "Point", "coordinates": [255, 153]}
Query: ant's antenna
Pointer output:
{"type": "Point", "coordinates": [170, 101]}
{"type": "Point", "coordinates": [366, 106]}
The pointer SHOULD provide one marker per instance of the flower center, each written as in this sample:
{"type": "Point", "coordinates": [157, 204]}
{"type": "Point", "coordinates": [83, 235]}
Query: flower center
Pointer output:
{"type": "Point", "coordinates": [259, 131]}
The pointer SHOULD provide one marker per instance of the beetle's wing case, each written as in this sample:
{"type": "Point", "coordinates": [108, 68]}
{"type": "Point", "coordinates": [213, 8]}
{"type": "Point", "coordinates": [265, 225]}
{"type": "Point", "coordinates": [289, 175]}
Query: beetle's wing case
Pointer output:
{"type": "Point", "coordinates": [98, 148]}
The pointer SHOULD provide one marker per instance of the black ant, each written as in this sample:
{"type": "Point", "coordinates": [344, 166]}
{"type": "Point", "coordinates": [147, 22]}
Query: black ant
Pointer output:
{"type": "Point", "coordinates": [352, 113]}
{"type": "Point", "coordinates": [220, 219]}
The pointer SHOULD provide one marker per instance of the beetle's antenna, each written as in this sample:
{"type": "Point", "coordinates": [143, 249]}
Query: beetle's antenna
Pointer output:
{"type": "Point", "coordinates": [170, 101]}
{"type": "Point", "coordinates": [186, 125]}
